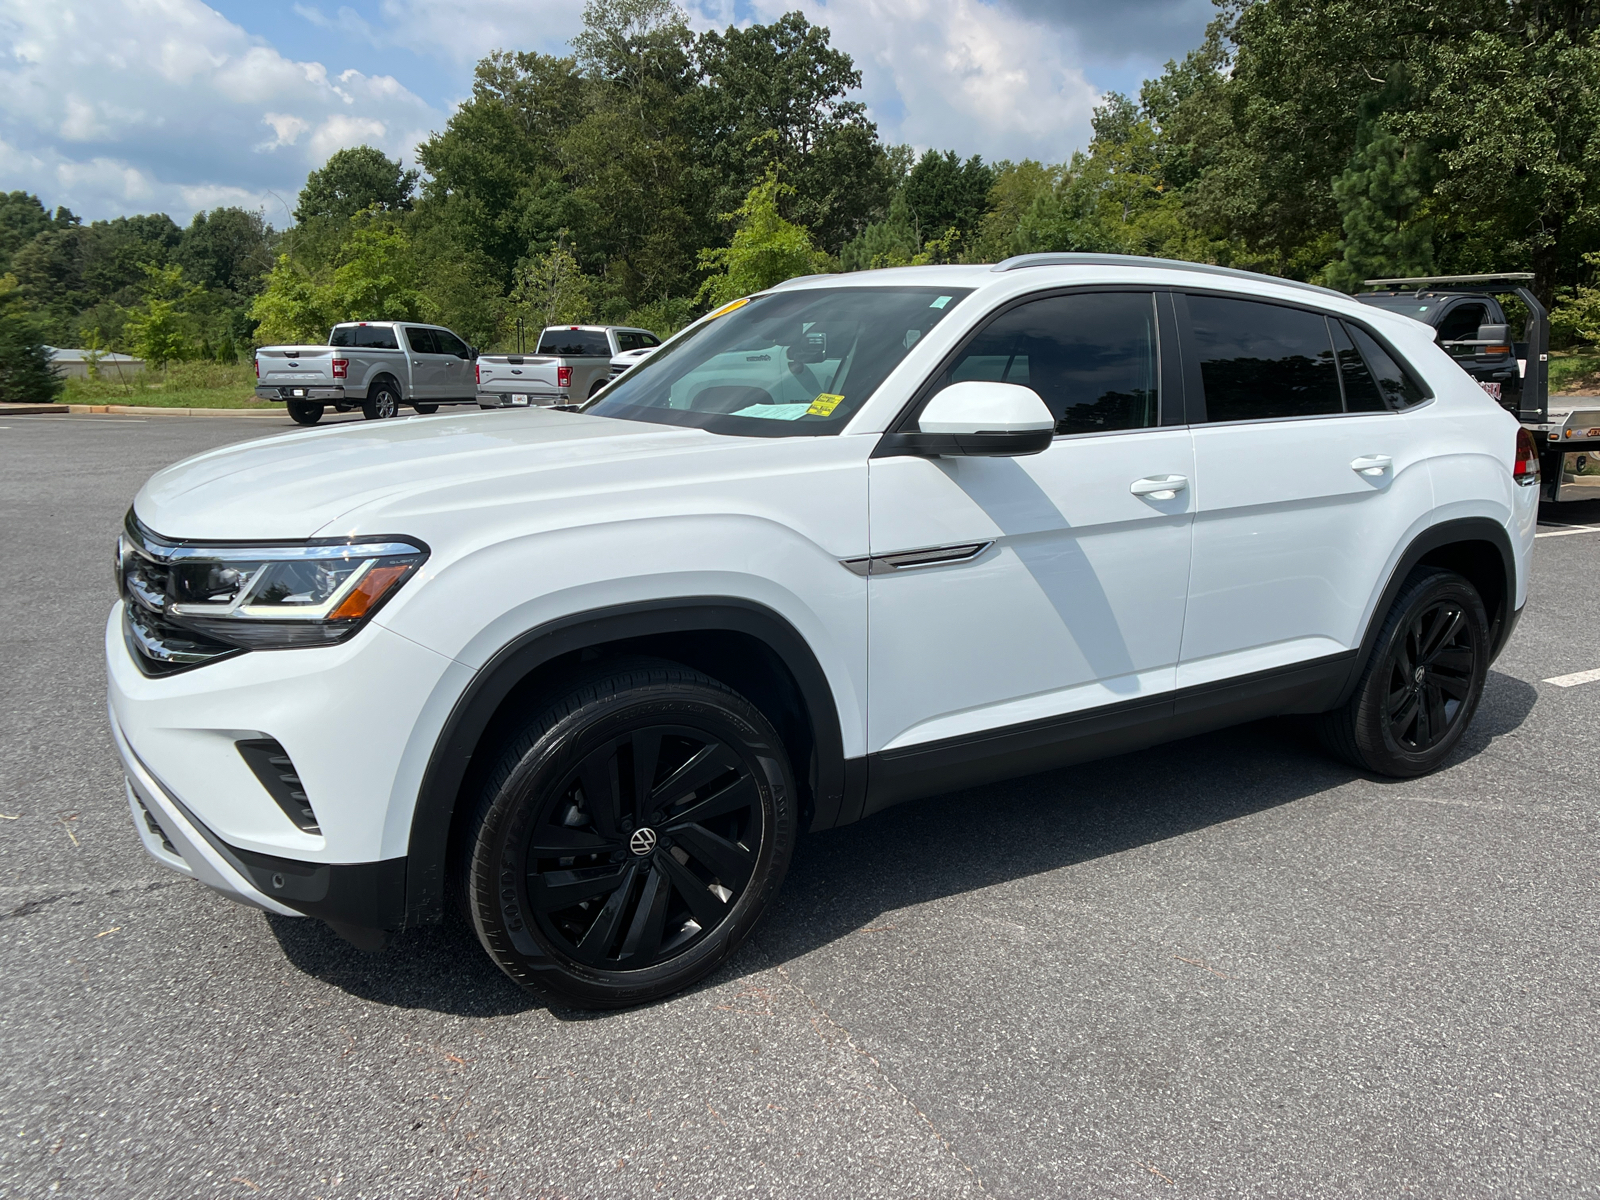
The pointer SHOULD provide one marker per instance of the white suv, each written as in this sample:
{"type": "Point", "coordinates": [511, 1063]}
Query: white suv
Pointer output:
{"type": "Point", "coordinates": [853, 541]}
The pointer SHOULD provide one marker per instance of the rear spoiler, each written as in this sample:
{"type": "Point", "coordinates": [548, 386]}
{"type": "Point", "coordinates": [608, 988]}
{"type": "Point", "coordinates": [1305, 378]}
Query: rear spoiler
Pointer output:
{"type": "Point", "coordinates": [1534, 403]}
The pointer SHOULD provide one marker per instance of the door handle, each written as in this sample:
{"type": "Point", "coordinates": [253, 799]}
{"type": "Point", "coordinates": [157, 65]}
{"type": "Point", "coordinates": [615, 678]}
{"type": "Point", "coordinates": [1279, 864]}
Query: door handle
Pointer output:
{"type": "Point", "coordinates": [416, 362]}
{"type": "Point", "coordinates": [1159, 487]}
{"type": "Point", "coordinates": [1372, 464]}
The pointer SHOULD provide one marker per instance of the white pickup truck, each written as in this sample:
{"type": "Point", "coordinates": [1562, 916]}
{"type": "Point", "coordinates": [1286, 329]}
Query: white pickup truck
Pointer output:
{"type": "Point", "coordinates": [570, 364]}
{"type": "Point", "coordinates": [376, 366]}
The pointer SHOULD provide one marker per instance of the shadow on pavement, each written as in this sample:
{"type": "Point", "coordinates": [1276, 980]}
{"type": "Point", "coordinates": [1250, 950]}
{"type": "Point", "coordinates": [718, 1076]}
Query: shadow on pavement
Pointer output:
{"type": "Point", "coordinates": [926, 850]}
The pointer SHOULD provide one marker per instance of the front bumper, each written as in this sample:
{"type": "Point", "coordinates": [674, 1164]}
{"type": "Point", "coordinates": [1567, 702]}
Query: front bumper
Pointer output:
{"type": "Point", "coordinates": [362, 902]}
{"type": "Point", "coordinates": [324, 394]}
{"type": "Point", "coordinates": [358, 720]}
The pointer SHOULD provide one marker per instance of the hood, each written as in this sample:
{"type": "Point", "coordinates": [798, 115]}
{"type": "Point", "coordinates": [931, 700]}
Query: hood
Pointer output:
{"type": "Point", "coordinates": [296, 485]}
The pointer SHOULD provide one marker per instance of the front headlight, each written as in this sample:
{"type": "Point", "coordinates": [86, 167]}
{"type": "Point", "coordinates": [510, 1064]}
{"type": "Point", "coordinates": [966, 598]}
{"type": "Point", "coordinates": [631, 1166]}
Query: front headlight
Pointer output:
{"type": "Point", "coordinates": [190, 602]}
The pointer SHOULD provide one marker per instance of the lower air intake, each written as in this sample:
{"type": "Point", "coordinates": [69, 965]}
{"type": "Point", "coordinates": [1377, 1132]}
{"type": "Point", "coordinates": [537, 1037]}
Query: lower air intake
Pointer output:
{"type": "Point", "coordinates": [273, 768]}
{"type": "Point", "coordinates": [154, 826]}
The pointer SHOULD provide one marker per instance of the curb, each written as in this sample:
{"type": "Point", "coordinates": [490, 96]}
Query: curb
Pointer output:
{"type": "Point", "coordinates": [151, 410]}
{"type": "Point", "coordinates": [31, 410]}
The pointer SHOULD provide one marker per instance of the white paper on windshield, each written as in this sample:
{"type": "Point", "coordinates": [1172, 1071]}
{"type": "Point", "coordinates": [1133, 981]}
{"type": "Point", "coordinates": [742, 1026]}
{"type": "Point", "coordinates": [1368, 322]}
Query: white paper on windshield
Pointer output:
{"type": "Point", "coordinates": [775, 412]}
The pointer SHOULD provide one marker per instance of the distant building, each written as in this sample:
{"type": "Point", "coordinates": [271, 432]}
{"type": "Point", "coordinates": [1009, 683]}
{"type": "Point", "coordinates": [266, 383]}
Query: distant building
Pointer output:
{"type": "Point", "coordinates": [74, 364]}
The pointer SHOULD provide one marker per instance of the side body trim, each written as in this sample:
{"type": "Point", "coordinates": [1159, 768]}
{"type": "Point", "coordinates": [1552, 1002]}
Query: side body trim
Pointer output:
{"type": "Point", "coordinates": [447, 767]}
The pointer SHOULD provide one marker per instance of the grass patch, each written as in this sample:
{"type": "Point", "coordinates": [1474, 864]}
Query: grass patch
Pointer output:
{"type": "Point", "coordinates": [182, 385]}
{"type": "Point", "coordinates": [1575, 370]}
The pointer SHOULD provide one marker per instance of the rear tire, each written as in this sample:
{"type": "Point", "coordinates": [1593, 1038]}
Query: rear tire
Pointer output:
{"type": "Point", "coordinates": [630, 838]}
{"type": "Point", "coordinates": [425, 409]}
{"type": "Point", "coordinates": [1421, 687]}
{"type": "Point", "coordinates": [382, 402]}
{"type": "Point", "coordinates": [302, 413]}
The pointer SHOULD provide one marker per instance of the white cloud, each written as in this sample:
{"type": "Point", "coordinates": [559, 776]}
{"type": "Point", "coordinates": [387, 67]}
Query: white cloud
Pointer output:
{"type": "Point", "coordinates": [110, 106]}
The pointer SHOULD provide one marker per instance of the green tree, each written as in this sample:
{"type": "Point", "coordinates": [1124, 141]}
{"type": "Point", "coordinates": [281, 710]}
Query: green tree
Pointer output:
{"type": "Point", "coordinates": [352, 180]}
{"type": "Point", "coordinates": [27, 373]}
{"type": "Point", "coordinates": [765, 250]}
{"type": "Point", "coordinates": [1378, 195]}
{"type": "Point", "coordinates": [291, 309]}
{"type": "Point", "coordinates": [942, 193]}
{"type": "Point", "coordinates": [550, 290]}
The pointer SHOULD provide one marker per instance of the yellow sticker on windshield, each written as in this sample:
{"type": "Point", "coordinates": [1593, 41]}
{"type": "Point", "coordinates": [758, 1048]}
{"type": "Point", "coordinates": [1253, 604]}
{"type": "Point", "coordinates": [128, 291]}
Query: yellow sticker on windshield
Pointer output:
{"type": "Point", "coordinates": [728, 308]}
{"type": "Point", "coordinates": [824, 405]}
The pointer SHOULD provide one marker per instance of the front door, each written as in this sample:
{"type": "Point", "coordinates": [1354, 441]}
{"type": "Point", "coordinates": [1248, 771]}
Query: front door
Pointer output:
{"type": "Point", "coordinates": [430, 370]}
{"type": "Point", "coordinates": [1309, 480]}
{"type": "Point", "coordinates": [1010, 591]}
{"type": "Point", "coordinates": [461, 379]}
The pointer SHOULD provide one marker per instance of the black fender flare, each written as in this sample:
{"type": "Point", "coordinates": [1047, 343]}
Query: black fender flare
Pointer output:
{"type": "Point", "coordinates": [1436, 537]}
{"type": "Point", "coordinates": [427, 857]}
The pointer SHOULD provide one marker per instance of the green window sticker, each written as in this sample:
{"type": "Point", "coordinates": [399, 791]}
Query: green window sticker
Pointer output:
{"type": "Point", "coordinates": [941, 302]}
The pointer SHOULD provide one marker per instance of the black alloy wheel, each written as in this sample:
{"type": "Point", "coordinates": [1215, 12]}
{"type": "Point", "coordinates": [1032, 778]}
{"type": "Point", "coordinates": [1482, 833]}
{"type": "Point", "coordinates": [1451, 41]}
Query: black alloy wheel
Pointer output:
{"type": "Point", "coordinates": [631, 838]}
{"type": "Point", "coordinates": [302, 413]}
{"type": "Point", "coordinates": [382, 402]}
{"type": "Point", "coordinates": [1421, 688]}
{"type": "Point", "coordinates": [426, 409]}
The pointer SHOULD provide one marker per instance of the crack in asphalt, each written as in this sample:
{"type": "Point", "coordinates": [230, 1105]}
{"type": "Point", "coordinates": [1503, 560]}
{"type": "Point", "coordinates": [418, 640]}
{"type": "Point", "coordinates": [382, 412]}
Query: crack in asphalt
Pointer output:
{"type": "Point", "coordinates": [39, 903]}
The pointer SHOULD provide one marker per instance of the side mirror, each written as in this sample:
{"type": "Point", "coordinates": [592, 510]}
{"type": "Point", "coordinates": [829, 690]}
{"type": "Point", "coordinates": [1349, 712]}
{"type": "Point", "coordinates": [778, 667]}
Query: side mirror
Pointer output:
{"type": "Point", "coordinates": [1494, 339]}
{"type": "Point", "coordinates": [978, 418]}
{"type": "Point", "coordinates": [472, 353]}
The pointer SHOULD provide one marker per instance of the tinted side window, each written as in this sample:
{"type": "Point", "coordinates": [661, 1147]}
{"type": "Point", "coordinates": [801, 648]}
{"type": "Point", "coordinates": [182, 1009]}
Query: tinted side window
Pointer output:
{"type": "Point", "coordinates": [628, 341]}
{"type": "Point", "coordinates": [575, 343]}
{"type": "Point", "coordinates": [449, 343]}
{"type": "Point", "coordinates": [1092, 358]}
{"type": "Point", "coordinates": [1399, 389]}
{"type": "Point", "coordinates": [649, 339]}
{"type": "Point", "coordinates": [421, 340]}
{"type": "Point", "coordinates": [376, 337]}
{"type": "Point", "coordinates": [1361, 392]}
{"type": "Point", "coordinates": [1462, 321]}
{"type": "Point", "coordinates": [1259, 361]}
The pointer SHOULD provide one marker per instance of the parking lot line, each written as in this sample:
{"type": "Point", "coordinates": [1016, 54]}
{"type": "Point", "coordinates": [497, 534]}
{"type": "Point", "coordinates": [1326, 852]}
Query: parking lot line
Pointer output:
{"type": "Point", "coordinates": [1568, 531]}
{"type": "Point", "coordinates": [1575, 679]}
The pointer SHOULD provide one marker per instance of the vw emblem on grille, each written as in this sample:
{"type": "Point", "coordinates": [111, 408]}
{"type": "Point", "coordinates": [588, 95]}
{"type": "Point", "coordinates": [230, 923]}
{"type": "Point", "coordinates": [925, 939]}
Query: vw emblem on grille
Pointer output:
{"type": "Point", "coordinates": [643, 841]}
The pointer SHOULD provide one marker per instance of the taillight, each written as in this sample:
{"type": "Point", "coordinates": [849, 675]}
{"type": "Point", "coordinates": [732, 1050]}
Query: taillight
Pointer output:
{"type": "Point", "coordinates": [563, 377]}
{"type": "Point", "coordinates": [477, 372]}
{"type": "Point", "coordinates": [341, 368]}
{"type": "Point", "coordinates": [258, 368]}
{"type": "Point", "coordinates": [1525, 467]}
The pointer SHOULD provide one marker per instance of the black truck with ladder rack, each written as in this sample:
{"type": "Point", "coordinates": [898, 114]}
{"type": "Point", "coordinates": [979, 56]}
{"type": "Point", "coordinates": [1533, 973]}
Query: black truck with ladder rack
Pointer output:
{"type": "Point", "coordinates": [1470, 324]}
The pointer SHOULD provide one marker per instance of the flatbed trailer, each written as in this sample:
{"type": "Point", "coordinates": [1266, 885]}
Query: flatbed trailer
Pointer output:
{"type": "Point", "coordinates": [1516, 373]}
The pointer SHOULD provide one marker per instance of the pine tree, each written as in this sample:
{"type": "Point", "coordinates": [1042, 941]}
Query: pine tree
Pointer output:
{"type": "Point", "coordinates": [1379, 195]}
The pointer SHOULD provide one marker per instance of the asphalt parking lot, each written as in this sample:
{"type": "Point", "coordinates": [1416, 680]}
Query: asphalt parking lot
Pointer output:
{"type": "Point", "coordinates": [1225, 967]}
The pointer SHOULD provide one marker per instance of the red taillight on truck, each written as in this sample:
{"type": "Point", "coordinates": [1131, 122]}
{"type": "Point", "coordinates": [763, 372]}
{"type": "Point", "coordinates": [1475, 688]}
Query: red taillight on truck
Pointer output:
{"type": "Point", "coordinates": [341, 368]}
{"type": "Point", "coordinates": [477, 372]}
{"type": "Point", "coordinates": [563, 377]}
{"type": "Point", "coordinates": [1525, 467]}
{"type": "Point", "coordinates": [258, 368]}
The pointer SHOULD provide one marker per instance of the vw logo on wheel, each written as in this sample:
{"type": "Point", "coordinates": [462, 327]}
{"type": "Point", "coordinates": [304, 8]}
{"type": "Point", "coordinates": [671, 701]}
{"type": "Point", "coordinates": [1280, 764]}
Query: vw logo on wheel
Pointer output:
{"type": "Point", "coordinates": [643, 841]}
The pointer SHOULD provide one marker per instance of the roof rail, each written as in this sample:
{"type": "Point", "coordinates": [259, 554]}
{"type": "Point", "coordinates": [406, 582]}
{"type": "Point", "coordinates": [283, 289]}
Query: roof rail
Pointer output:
{"type": "Point", "coordinates": [1069, 259]}
{"type": "Point", "coordinates": [1427, 281]}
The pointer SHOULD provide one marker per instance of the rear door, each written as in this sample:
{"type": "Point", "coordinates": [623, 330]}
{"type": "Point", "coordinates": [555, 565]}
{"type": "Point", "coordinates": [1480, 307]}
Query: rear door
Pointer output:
{"type": "Point", "coordinates": [1007, 591]}
{"type": "Point", "coordinates": [430, 370]}
{"type": "Point", "coordinates": [1306, 483]}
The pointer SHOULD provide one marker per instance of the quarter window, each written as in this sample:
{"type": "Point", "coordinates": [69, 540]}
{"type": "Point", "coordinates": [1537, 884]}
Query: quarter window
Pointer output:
{"type": "Point", "coordinates": [1361, 392]}
{"type": "Point", "coordinates": [1091, 357]}
{"type": "Point", "coordinates": [1398, 388]}
{"type": "Point", "coordinates": [1263, 361]}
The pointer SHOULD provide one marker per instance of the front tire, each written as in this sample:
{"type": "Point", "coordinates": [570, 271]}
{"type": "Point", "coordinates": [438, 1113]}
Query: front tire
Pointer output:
{"type": "Point", "coordinates": [382, 402]}
{"type": "Point", "coordinates": [302, 413]}
{"type": "Point", "coordinates": [630, 838]}
{"type": "Point", "coordinates": [1421, 687]}
{"type": "Point", "coordinates": [426, 409]}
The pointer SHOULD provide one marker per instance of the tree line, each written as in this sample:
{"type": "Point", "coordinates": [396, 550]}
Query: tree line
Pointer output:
{"type": "Point", "coordinates": [654, 171]}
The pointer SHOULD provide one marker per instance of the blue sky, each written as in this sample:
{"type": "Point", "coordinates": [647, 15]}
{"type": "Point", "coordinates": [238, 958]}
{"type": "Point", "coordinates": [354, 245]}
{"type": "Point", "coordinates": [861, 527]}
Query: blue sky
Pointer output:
{"type": "Point", "coordinates": [121, 106]}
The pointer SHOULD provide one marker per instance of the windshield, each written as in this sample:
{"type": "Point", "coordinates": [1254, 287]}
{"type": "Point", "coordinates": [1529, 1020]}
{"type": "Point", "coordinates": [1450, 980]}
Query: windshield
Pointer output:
{"type": "Point", "coordinates": [787, 364]}
{"type": "Point", "coordinates": [1413, 306]}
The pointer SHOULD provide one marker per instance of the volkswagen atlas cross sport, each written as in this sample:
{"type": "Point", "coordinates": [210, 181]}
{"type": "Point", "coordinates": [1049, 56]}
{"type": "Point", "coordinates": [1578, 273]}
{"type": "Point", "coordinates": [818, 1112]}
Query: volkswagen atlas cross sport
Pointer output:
{"type": "Point", "coordinates": [849, 542]}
